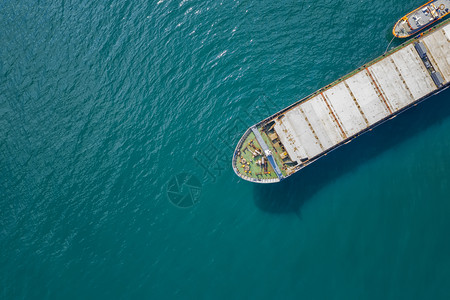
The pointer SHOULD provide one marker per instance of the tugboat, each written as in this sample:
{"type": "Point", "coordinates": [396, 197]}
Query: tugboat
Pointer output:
{"type": "Point", "coordinates": [421, 18]}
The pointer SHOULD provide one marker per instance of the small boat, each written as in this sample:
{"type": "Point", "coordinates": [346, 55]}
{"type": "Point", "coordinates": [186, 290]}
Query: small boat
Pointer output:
{"type": "Point", "coordinates": [422, 17]}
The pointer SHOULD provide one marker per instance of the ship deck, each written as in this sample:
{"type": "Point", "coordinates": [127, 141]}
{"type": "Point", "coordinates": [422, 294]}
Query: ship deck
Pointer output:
{"type": "Point", "coordinates": [352, 105]}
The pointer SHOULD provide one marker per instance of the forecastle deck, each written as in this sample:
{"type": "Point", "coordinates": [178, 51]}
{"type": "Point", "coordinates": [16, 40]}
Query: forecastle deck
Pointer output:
{"type": "Point", "coordinates": [343, 110]}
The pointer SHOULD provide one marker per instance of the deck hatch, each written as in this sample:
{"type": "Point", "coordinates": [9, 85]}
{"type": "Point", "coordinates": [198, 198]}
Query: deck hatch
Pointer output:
{"type": "Point", "coordinates": [420, 49]}
{"type": "Point", "coordinates": [437, 78]}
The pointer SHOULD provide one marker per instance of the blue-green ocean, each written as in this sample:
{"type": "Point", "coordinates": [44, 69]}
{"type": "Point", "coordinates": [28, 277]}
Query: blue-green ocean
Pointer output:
{"type": "Point", "coordinates": [118, 121]}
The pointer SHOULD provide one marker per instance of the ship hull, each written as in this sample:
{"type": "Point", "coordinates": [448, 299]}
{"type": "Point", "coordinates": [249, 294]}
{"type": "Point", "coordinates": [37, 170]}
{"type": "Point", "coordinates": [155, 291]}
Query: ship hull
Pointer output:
{"type": "Point", "coordinates": [333, 116]}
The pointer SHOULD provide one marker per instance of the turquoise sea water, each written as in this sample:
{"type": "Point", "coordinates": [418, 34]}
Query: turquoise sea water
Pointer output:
{"type": "Point", "coordinates": [107, 108]}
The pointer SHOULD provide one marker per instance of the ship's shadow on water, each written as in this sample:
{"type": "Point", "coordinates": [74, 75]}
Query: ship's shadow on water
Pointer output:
{"type": "Point", "coordinates": [289, 195]}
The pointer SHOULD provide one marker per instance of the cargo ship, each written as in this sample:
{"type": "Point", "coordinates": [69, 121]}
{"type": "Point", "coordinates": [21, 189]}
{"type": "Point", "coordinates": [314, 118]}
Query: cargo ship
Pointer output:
{"type": "Point", "coordinates": [312, 127]}
{"type": "Point", "coordinates": [421, 18]}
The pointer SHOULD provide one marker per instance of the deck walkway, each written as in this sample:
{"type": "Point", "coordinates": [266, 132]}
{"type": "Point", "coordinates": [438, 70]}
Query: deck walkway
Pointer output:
{"type": "Point", "coordinates": [267, 152]}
